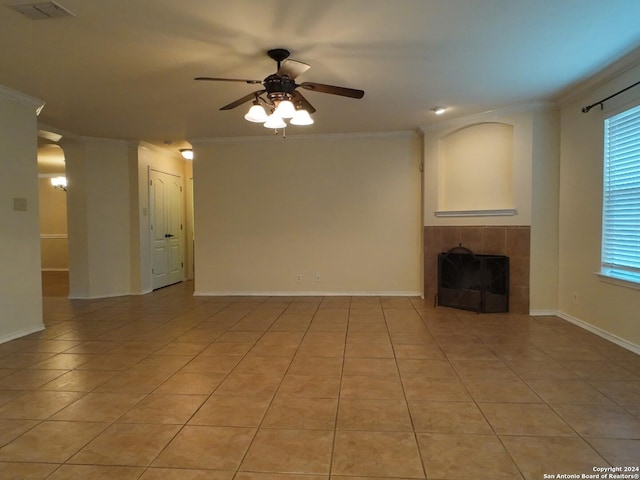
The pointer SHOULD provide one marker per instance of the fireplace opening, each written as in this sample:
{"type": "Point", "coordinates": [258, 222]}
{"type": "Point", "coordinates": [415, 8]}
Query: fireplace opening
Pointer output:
{"type": "Point", "coordinates": [475, 282]}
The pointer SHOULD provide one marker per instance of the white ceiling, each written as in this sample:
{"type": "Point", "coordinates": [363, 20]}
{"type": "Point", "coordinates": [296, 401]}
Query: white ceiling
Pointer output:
{"type": "Point", "coordinates": [125, 68]}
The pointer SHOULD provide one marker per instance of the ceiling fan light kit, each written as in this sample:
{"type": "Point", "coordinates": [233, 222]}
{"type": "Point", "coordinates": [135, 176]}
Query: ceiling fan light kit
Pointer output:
{"type": "Point", "coordinates": [275, 122]}
{"type": "Point", "coordinates": [301, 117]}
{"type": "Point", "coordinates": [256, 114]}
{"type": "Point", "coordinates": [285, 109]}
{"type": "Point", "coordinates": [279, 99]}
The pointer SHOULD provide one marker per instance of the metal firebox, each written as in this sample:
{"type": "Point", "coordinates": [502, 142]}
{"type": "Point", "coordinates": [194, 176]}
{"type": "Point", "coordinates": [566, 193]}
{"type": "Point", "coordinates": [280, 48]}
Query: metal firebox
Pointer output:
{"type": "Point", "coordinates": [472, 281]}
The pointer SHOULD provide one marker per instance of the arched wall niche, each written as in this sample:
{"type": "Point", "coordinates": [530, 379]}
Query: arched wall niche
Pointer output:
{"type": "Point", "coordinates": [476, 168]}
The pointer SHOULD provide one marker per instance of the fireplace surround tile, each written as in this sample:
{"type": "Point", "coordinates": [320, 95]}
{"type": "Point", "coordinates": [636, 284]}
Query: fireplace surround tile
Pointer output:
{"type": "Point", "coordinates": [518, 240]}
{"type": "Point", "coordinates": [494, 241]}
{"type": "Point", "coordinates": [472, 239]}
{"type": "Point", "coordinates": [513, 241]}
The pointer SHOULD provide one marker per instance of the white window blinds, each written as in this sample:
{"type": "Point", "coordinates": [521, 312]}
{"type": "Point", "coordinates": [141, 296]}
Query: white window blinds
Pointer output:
{"type": "Point", "coordinates": [621, 196]}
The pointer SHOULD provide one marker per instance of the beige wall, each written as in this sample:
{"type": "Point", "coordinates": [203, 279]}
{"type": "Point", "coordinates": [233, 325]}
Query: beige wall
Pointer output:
{"type": "Point", "coordinates": [345, 207]}
{"type": "Point", "coordinates": [190, 227]}
{"type": "Point", "coordinates": [20, 281]}
{"type": "Point", "coordinates": [98, 217]}
{"type": "Point", "coordinates": [475, 168]}
{"type": "Point", "coordinates": [545, 183]}
{"type": "Point", "coordinates": [610, 308]}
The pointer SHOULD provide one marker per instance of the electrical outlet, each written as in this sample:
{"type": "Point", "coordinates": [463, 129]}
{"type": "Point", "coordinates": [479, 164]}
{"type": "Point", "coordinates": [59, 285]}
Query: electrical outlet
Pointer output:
{"type": "Point", "coordinates": [574, 298]}
{"type": "Point", "coordinates": [316, 277]}
{"type": "Point", "coordinates": [299, 278]}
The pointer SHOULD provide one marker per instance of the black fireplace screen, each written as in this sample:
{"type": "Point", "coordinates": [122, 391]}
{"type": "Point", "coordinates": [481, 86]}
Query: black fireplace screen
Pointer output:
{"type": "Point", "coordinates": [473, 282]}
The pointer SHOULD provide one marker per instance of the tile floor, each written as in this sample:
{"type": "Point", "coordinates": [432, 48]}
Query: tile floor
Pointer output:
{"type": "Point", "coordinates": [171, 386]}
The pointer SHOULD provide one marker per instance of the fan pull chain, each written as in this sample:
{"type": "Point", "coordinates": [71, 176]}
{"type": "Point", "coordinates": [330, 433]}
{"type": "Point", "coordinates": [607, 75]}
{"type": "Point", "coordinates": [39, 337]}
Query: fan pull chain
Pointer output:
{"type": "Point", "coordinates": [284, 132]}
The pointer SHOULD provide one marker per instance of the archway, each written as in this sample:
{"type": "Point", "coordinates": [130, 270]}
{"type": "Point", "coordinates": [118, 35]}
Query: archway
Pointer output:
{"type": "Point", "coordinates": [53, 220]}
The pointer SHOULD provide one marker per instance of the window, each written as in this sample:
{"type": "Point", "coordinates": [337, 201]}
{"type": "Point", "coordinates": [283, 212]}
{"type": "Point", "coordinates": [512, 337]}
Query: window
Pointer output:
{"type": "Point", "coordinates": [621, 197]}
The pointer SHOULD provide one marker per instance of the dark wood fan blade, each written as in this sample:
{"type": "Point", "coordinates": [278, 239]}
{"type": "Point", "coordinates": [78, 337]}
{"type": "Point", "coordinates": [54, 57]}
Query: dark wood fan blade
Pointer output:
{"type": "Point", "coordinates": [298, 98]}
{"type": "Point", "coordinates": [214, 79]}
{"type": "Point", "coordinates": [293, 68]}
{"type": "Point", "coordinates": [332, 89]}
{"type": "Point", "coordinates": [242, 100]}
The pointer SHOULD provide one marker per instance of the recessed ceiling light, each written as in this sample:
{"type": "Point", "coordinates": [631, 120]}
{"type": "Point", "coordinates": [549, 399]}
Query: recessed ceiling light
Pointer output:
{"type": "Point", "coordinates": [438, 110]}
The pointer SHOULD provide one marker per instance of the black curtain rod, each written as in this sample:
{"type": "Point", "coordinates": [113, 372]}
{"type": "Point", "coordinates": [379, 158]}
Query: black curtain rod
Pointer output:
{"type": "Point", "coordinates": [601, 102]}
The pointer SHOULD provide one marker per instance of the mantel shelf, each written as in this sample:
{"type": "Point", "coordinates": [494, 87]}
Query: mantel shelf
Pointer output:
{"type": "Point", "coordinates": [503, 212]}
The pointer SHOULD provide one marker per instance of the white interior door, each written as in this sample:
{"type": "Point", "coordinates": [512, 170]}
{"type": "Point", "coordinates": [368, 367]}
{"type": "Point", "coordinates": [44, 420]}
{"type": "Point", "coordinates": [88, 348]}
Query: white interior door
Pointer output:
{"type": "Point", "coordinates": [165, 195]}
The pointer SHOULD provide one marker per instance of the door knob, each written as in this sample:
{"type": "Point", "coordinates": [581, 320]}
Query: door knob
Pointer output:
{"type": "Point", "coordinates": [168, 235]}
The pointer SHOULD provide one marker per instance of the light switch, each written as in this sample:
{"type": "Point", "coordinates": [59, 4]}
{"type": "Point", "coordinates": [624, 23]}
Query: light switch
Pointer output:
{"type": "Point", "coordinates": [20, 204]}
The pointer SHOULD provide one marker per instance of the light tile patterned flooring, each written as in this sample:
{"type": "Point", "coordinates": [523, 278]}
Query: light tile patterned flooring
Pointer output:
{"type": "Point", "coordinates": [171, 386]}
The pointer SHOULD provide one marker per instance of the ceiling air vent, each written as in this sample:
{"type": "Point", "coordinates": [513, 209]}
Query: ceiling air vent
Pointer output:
{"type": "Point", "coordinates": [39, 10]}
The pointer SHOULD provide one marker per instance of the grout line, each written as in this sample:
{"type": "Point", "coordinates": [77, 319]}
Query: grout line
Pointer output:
{"type": "Point", "coordinates": [257, 428]}
{"type": "Point", "coordinates": [413, 426]}
{"type": "Point", "coordinates": [106, 312]}
{"type": "Point", "coordinates": [182, 427]}
{"type": "Point", "coordinates": [339, 400]}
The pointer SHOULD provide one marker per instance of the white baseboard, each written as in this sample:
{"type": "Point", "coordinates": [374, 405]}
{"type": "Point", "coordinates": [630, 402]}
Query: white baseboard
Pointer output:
{"type": "Point", "coordinates": [98, 297]}
{"type": "Point", "coordinates": [626, 344]}
{"type": "Point", "coordinates": [543, 313]}
{"type": "Point", "coordinates": [299, 293]}
{"type": "Point", "coordinates": [142, 292]}
{"type": "Point", "coordinates": [21, 333]}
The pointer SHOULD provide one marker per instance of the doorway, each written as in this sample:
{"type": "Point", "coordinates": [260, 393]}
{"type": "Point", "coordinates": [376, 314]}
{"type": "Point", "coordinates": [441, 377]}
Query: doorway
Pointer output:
{"type": "Point", "coordinates": [52, 198]}
{"type": "Point", "coordinates": [167, 228]}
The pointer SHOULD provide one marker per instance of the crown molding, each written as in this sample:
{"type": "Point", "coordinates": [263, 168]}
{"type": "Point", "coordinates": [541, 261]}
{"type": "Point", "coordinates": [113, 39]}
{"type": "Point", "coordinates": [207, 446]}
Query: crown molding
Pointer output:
{"type": "Point", "coordinates": [304, 137]}
{"type": "Point", "coordinates": [90, 139]}
{"type": "Point", "coordinates": [158, 149]}
{"type": "Point", "coordinates": [45, 130]}
{"type": "Point", "coordinates": [150, 146]}
{"type": "Point", "coordinates": [617, 68]}
{"type": "Point", "coordinates": [495, 115]}
{"type": "Point", "coordinates": [23, 99]}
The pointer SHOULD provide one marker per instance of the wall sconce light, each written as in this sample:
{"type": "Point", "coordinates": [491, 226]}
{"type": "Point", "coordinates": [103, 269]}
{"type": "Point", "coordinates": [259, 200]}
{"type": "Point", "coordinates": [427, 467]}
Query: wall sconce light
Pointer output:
{"type": "Point", "coordinates": [187, 153]}
{"type": "Point", "coordinates": [59, 182]}
{"type": "Point", "coordinates": [438, 110]}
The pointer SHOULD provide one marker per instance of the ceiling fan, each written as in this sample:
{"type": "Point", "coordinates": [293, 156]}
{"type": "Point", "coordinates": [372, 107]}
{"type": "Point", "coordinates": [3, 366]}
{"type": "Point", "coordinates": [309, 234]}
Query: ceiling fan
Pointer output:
{"type": "Point", "coordinates": [282, 99]}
